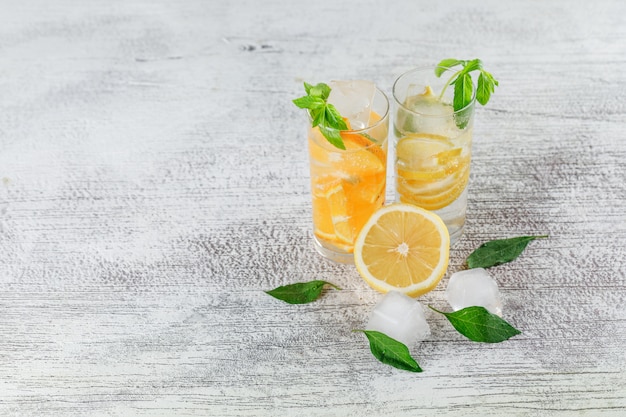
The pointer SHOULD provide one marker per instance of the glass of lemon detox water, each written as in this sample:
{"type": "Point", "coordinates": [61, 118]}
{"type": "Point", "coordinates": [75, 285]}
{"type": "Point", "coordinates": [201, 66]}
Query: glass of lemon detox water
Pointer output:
{"type": "Point", "coordinates": [347, 166]}
{"type": "Point", "coordinates": [433, 145]}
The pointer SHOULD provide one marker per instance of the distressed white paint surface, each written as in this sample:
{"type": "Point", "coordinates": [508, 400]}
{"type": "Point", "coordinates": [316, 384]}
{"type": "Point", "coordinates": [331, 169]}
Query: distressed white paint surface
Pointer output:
{"type": "Point", "coordinates": [153, 182]}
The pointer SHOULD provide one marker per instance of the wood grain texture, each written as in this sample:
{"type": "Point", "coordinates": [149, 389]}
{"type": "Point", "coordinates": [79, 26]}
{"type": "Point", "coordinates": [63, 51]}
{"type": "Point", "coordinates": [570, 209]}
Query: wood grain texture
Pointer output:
{"type": "Point", "coordinates": [154, 181]}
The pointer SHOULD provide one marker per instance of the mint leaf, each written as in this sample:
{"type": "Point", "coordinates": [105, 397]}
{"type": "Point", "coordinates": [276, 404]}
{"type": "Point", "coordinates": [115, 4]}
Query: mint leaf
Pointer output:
{"type": "Point", "coordinates": [493, 81]}
{"type": "Point", "coordinates": [484, 89]}
{"type": "Point", "coordinates": [334, 119]}
{"type": "Point", "coordinates": [319, 116]}
{"type": "Point", "coordinates": [479, 325]}
{"type": "Point", "coordinates": [391, 352]}
{"type": "Point", "coordinates": [486, 86]}
{"type": "Point", "coordinates": [473, 65]}
{"type": "Point", "coordinates": [463, 91]}
{"type": "Point", "coordinates": [323, 114]}
{"type": "Point", "coordinates": [333, 136]}
{"type": "Point", "coordinates": [499, 251]}
{"type": "Point", "coordinates": [320, 90]}
{"type": "Point", "coordinates": [309, 102]}
{"type": "Point", "coordinates": [300, 292]}
{"type": "Point", "coordinates": [447, 63]}
{"type": "Point", "coordinates": [464, 86]}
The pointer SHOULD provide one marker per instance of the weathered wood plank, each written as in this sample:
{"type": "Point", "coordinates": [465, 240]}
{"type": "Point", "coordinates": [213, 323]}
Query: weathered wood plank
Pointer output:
{"type": "Point", "coordinates": [154, 181]}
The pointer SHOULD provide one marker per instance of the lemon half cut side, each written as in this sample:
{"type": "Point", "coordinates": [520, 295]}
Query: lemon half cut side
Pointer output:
{"type": "Point", "coordinates": [403, 248]}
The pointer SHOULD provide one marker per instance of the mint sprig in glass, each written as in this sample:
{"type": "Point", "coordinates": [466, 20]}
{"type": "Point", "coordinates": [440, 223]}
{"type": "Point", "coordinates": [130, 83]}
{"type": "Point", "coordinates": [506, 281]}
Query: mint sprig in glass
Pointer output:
{"type": "Point", "coordinates": [324, 115]}
{"type": "Point", "coordinates": [348, 160]}
{"type": "Point", "coordinates": [433, 125]}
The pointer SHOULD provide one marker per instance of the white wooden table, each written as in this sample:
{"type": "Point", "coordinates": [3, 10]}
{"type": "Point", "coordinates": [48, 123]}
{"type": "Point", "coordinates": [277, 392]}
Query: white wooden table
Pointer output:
{"type": "Point", "coordinates": [154, 182]}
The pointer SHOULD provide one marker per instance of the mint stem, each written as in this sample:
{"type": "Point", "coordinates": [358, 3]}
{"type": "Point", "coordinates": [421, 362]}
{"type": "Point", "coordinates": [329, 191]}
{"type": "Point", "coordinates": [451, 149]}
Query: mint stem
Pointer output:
{"type": "Point", "coordinates": [445, 87]}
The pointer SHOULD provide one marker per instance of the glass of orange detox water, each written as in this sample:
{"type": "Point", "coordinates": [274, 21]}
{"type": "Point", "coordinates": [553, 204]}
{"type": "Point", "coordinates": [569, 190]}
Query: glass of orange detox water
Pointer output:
{"type": "Point", "coordinates": [433, 147]}
{"type": "Point", "coordinates": [348, 185]}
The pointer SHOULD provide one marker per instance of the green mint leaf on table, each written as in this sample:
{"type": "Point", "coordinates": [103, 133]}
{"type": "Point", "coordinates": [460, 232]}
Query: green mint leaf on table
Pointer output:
{"type": "Point", "coordinates": [300, 292]}
{"type": "Point", "coordinates": [499, 251]}
{"type": "Point", "coordinates": [479, 325]}
{"type": "Point", "coordinates": [390, 351]}
{"type": "Point", "coordinates": [464, 84]}
{"type": "Point", "coordinates": [323, 114]}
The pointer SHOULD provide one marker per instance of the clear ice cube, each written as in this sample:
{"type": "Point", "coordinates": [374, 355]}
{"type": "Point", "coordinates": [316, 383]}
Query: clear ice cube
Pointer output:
{"type": "Point", "coordinates": [400, 317]}
{"type": "Point", "coordinates": [428, 104]}
{"type": "Point", "coordinates": [474, 287]}
{"type": "Point", "coordinates": [433, 116]}
{"type": "Point", "coordinates": [353, 99]}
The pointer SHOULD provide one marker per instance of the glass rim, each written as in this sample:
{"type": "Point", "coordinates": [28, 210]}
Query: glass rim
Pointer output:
{"type": "Point", "coordinates": [377, 123]}
{"type": "Point", "coordinates": [423, 68]}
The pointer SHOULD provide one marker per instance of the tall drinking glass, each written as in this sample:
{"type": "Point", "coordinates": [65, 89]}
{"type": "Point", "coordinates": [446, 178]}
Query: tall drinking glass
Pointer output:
{"type": "Point", "coordinates": [433, 146]}
{"type": "Point", "coordinates": [347, 186]}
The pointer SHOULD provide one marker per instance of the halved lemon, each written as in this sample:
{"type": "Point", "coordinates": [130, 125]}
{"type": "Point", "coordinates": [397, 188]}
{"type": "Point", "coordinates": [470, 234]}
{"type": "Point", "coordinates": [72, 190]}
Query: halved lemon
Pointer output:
{"type": "Point", "coordinates": [403, 248]}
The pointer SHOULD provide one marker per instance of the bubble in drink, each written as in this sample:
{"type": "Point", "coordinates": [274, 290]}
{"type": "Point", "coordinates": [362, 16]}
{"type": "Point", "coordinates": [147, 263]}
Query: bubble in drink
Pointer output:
{"type": "Point", "coordinates": [399, 317]}
{"type": "Point", "coordinates": [353, 99]}
{"type": "Point", "coordinates": [474, 287]}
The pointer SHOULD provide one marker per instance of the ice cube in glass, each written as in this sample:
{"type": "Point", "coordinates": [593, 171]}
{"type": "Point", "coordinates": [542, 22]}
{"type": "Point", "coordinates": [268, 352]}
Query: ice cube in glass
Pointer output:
{"type": "Point", "coordinates": [353, 99]}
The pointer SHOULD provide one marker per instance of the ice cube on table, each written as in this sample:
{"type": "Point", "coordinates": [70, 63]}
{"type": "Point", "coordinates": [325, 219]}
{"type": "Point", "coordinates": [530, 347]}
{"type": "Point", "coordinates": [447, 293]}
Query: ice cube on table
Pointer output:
{"type": "Point", "coordinates": [400, 317]}
{"type": "Point", "coordinates": [474, 287]}
{"type": "Point", "coordinates": [353, 99]}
